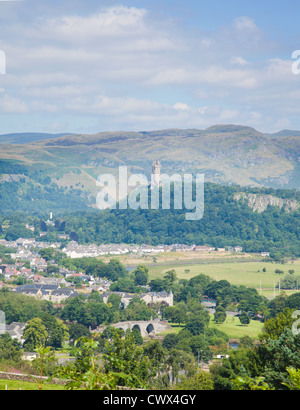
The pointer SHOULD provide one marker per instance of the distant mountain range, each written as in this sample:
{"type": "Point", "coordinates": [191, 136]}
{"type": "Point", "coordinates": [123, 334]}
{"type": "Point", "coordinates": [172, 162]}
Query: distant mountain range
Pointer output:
{"type": "Point", "coordinates": [26, 137]}
{"type": "Point", "coordinates": [226, 154]}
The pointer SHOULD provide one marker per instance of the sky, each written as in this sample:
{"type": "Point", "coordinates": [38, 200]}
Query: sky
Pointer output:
{"type": "Point", "coordinates": [91, 66]}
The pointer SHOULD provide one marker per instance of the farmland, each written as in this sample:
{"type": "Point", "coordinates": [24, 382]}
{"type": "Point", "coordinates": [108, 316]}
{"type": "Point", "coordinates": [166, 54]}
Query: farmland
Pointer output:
{"type": "Point", "coordinates": [249, 274]}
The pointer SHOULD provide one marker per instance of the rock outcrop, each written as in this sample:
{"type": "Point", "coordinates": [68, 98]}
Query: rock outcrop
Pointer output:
{"type": "Point", "coordinates": [260, 203]}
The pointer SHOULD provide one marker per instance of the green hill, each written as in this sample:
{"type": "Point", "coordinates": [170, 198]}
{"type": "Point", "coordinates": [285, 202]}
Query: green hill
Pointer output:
{"type": "Point", "coordinates": [228, 221]}
{"type": "Point", "coordinates": [226, 154]}
{"type": "Point", "coordinates": [26, 137]}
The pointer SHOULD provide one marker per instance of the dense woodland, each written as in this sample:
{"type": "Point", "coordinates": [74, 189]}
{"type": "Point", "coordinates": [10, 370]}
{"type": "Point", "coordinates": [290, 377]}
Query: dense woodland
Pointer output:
{"type": "Point", "coordinates": [31, 190]}
{"type": "Point", "coordinates": [226, 222]}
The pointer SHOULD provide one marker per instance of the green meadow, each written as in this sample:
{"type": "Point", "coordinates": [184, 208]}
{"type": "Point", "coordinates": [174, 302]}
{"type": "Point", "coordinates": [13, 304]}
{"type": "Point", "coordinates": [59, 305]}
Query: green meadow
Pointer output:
{"type": "Point", "coordinates": [249, 274]}
{"type": "Point", "coordinates": [20, 385]}
{"type": "Point", "coordinates": [235, 330]}
{"type": "Point", "coordinates": [232, 327]}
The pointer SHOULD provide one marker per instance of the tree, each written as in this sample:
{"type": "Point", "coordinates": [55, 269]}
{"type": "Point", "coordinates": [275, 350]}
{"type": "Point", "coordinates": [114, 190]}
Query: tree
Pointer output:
{"type": "Point", "coordinates": [44, 358]}
{"type": "Point", "coordinates": [171, 277]}
{"type": "Point", "coordinates": [141, 275]}
{"type": "Point", "coordinates": [157, 285]}
{"type": "Point", "coordinates": [246, 341]}
{"type": "Point", "coordinates": [10, 350]}
{"type": "Point", "coordinates": [178, 360]}
{"type": "Point", "coordinates": [115, 270]}
{"type": "Point", "coordinates": [244, 319]}
{"type": "Point", "coordinates": [274, 327]}
{"type": "Point", "coordinates": [200, 348]}
{"type": "Point", "coordinates": [294, 379]}
{"type": "Point", "coordinates": [137, 337]}
{"type": "Point", "coordinates": [123, 356]}
{"type": "Point", "coordinates": [17, 231]}
{"type": "Point", "coordinates": [170, 341]}
{"type": "Point", "coordinates": [114, 301]}
{"type": "Point", "coordinates": [77, 331]}
{"type": "Point", "coordinates": [293, 301]}
{"type": "Point", "coordinates": [86, 373]}
{"type": "Point", "coordinates": [126, 284]}
{"type": "Point", "coordinates": [75, 311]}
{"type": "Point", "coordinates": [277, 355]}
{"type": "Point", "coordinates": [251, 383]}
{"type": "Point", "coordinates": [277, 305]}
{"type": "Point", "coordinates": [35, 334]}
{"type": "Point", "coordinates": [217, 288]}
{"type": "Point", "coordinates": [138, 310]}
{"type": "Point", "coordinates": [155, 351]}
{"type": "Point", "coordinates": [220, 315]}
{"type": "Point", "coordinates": [197, 323]}
{"type": "Point", "coordinates": [289, 282]}
{"type": "Point", "coordinates": [176, 314]}
{"type": "Point", "coordinates": [200, 381]}
{"type": "Point", "coordinates": [199, 283]}
{"type": "Point", "coordinates": [52, 269]}
{"type": "Point", "coordinates": [57, 331]}
{"type": "Point", "coordinates": [51, 254]}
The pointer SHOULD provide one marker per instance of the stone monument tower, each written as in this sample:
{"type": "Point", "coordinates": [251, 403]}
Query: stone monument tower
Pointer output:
{"type": "Point", "coordinates": [155, 181]}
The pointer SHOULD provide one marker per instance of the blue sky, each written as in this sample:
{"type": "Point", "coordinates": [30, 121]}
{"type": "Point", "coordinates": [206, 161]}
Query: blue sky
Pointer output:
{"type": "Point", "coordinates": [90, 66]}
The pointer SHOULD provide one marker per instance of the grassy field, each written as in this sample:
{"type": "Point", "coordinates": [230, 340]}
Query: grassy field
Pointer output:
{"type": "Point", "coordinates": [249, 274]}
{"type": "Point", "coordinates": [233, 328]}
{"type": "Point", "coordinates": [17, 385]}
{"type": "Point", "coordinates": [181, 258]}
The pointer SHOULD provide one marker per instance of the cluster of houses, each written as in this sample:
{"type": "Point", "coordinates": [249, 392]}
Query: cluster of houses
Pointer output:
{"type": "Point", "coordinates": [74, 250]}
{"type": "Point", "coordinates": [58, 289]}
{"type": "Point", "coordinates": [55, 289]}
{"type": "Point", "coordinates": [150, 298]}
{"type": "Point", "coordinates": [53, 293]}
{"type": "Point", "coordinates": [56, 294]}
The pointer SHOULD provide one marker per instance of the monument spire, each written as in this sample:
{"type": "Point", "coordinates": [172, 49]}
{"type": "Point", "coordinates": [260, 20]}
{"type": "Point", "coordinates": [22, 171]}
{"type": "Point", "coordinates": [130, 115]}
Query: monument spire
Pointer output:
{"type": "Point", "coordinates": [155, 178]}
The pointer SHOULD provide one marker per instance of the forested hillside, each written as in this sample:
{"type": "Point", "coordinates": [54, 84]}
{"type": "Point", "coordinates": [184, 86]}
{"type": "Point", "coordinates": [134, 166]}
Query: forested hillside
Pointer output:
{"type": "Point", "coordinates": [226, 222]}
{"type": "Point", "coordinates": [30, 189]}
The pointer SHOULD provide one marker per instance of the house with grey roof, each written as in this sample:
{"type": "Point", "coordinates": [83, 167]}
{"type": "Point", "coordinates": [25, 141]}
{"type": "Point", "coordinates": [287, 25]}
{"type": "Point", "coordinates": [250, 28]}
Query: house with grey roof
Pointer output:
{"type": "Point", "coordinates": [158, 297]}
{"type": "Point", "coordinates": [149, 297]}
{"type": "Point", "coordinates": [61, 294]}
{"type": "Point", "coordinates": [48, 292]}
{"type": "Point", "coordinates": [125, 297]}
{"type": "Point", "coordinates": [16, 330]}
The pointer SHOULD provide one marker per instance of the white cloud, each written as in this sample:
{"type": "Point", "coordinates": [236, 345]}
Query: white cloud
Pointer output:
{"type": "Point", "coordinates": [110, 106]}
{"type": "Point", "coordinates": [202, 110]}
{"type": "Point", "coordinates": [111, 22]}
{"type": "Point", "coordinates": [228, 115]}
{"type": "Point", "coordinates": [180, 106]}
{"type": "Point", "coordinates": [244, 23]}
{"type": "Point", "coordinates": [12, 105]}
{"type": "Point", "coordinates": [119, 63]}
{"type": "Point", "coordinates": [239, 61]}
